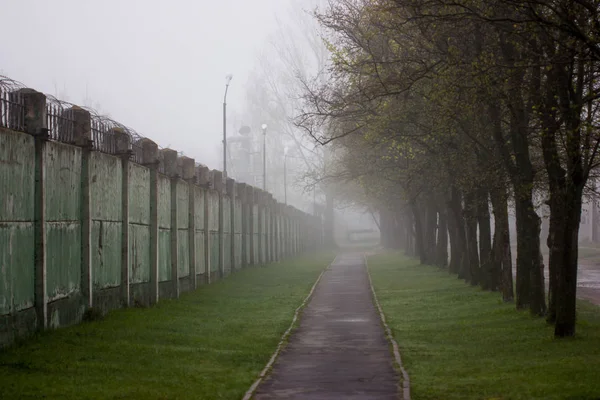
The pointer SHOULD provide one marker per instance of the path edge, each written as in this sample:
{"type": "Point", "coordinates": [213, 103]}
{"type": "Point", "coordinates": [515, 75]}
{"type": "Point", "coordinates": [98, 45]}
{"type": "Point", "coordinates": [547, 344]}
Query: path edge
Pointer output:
{"type": "Point", "coordinates": [390, 338]}
{"type": "Point", "coordinates": [282, 342]}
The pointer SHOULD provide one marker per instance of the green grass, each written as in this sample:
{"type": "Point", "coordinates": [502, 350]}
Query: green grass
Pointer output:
{"type": "Point", "coordinates": [459, 342]}
{"type": "Point", "coordinates": [209, 344]}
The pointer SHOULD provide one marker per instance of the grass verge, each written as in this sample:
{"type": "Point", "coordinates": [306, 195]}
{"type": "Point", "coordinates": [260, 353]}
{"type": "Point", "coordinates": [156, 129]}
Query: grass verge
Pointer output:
{"type": "Point", "coordinates": [208, 344]}
{"type": "Point", "coordinates": [459, 342]}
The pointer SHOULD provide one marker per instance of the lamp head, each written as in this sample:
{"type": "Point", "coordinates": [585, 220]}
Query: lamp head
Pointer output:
{"type": "Point", "coordinates": [264, 127]}
{"type": "Point", "coordinates": [228, 78]}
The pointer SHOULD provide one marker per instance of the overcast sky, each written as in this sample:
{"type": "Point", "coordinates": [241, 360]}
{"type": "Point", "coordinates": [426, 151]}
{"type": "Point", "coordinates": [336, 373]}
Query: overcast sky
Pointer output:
{"type": "Point", "coordinates": [156, 66]}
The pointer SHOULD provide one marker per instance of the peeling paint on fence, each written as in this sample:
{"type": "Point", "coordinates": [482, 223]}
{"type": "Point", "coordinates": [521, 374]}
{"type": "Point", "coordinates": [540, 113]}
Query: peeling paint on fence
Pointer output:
{"type": "Point", "coordinates": [63, 213]}
{"type": "Point", "coordinates": [139, 224]}
{"type": "Point", "coordinates": [16, 221]}
{"type": "Point", "coordinates": [183, 255]}
{"type": "Point", "coordinates": [106, 182]}
{"type": "Point", "coordinates": [164, 225]}
{"type": "Point", "coordinates": [213, 223]}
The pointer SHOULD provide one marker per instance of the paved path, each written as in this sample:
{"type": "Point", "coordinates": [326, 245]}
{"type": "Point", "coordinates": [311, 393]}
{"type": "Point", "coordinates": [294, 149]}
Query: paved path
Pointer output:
{"type": "Point", "coordinates": [339, 350]}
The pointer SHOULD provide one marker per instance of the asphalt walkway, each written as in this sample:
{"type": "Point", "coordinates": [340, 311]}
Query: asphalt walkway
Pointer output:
{"type": "Point", "coordinates": [339, 350]}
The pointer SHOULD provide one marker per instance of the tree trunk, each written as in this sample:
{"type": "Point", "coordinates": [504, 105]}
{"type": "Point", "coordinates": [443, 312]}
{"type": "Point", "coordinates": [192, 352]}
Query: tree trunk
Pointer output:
{"type": "Point", "coordinates": [530, 274]}
{"type": "Point", "coordinates": [456, 218]}
{"type": "Point", "coordinates": [442, 240]}
{"type": "Point", "coordinates": [566, 294]}
{"type": "Point", "coordinates": [410, 233]}
{"type": "Point", "coordinates": [430, 231]}
{"type": "Point", "coordinates": [502, 258]}
{"type": "Point", "coordinates": [385, 227]}
{"type": "Point", "coordinates": [471, 231]}
{"type": "Point", "coordinates": [419, 242]}
{"type": "Point", "coordinates": [555, 242]}
{"type": "Point", "coordinates": [485, 242]}
{"type": "Point", "coordinates": [455, 252]}
{"type": "Point", "coordinates": [399, 230]}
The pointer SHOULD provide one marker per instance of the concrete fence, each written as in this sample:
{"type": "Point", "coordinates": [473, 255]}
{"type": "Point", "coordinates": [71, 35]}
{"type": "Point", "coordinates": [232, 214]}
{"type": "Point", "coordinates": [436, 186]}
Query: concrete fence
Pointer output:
{"type": "Point", "coordinates": [80, 228]}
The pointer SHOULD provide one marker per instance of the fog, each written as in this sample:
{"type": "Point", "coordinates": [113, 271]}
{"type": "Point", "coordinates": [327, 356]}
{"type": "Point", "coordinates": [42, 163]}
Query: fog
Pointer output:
{"type": "Point", "coordinates": [158, 67]}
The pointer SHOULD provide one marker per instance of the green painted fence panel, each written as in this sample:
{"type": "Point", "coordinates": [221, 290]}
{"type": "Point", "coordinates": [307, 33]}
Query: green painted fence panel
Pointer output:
{"type": "Point", "coordinates": [213, 222]}
{"type": "Point", "coordinates": [16, 267]}
{"type": "Point", "coordinates": [63, 261]}
{"type": "Point", "coordinates": [227, 238]}
{"type": "Point", "coordinates": [255, 220]}
{"type": "Point", "coordinates": [183, 253]}
{"type": "Point", "coordinates": [106, 186]}
{"type": "Point", "coordinates": [200, 265]}
{"type": "Point", "coordinates": [164, 255]}
{"type": "Point", "coordinates": [17, 177]}
{"type": "Point", "coordinates": [63, 213]}
{"type": "Point", "coordinates": [139, 247]}
{"type": "Point", "coordinates": [164, 202]}
{"type": "Point", "coordinates": [238, 232]}
{"type": "Point", "coordinates": [183, 200]}
{"type": "Point", "coordinates": [139, 195]}
{"type": "Point", "coordinates": [63, 182]}
{"type": "Point", "coordinates": [106, 254]}
{"type": "Point", "coordinates": [227, 232]}
{"type": "Point", "coordinates": [199, 207]}
{"type": "Point", "coordinates": [265, 233]}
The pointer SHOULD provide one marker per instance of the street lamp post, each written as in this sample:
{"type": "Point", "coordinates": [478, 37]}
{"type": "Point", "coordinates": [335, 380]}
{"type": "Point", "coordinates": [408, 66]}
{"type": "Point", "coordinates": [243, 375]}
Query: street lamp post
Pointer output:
{"type": "Point", "coordinates": [264, 129]}
{"type": "Point", "coordinates": [227, 81]}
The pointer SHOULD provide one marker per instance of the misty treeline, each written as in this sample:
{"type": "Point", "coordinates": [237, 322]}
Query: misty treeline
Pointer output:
{"type": "Point", "coordinates": [443, 114]}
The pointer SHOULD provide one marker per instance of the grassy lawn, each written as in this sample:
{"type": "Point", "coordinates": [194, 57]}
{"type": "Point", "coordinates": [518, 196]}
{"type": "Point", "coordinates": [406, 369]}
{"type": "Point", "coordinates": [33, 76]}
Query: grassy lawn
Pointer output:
{"type": "Point", "coordinates": [209, 344]}
{"type": "Point", "coordinates": [458, 342]}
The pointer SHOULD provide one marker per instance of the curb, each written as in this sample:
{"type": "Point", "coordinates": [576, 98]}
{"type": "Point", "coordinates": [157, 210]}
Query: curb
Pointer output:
{"type": "Point", "coordinates": [250, 392]}
{"type": "Point", "coordinates": [390, 338]}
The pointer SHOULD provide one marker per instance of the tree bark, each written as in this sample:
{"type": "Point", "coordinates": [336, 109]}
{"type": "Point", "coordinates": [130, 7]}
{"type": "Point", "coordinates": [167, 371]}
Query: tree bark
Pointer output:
{"type": "Point", "coordinates": [566, 294]}
{"type": "Point", "coordinates": [502, 258]}
{"type": "Point", "coordinates": [419, 242]}
{"type": "Point", "coordinates": [442, 240]}
{"type": "Point", "coordinates": [455, 247]}
{"type": "Point", "coordinates": [471, 231]}
{"type": "Point", "coordinates": [430, 231]}
{"type": "Point", "coordinates": [456, 216]}
{"type": "Point", "coordinates": [485, 241]}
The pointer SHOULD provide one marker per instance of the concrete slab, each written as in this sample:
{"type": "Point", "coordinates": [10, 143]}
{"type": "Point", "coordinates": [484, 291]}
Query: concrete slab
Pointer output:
{"type": "Point", "coordinates": [339, 350]}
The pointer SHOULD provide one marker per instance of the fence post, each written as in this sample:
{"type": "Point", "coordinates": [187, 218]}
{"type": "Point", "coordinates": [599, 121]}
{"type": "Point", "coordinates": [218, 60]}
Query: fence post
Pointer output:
{"type": "Point", "coordinates": [123, 144]}
{"type": "Point", "coordinates": [170, 162]}
{"type": "Point", "coordinates": [188, 173]}
{"type": "Point", "coordinates": [204, 181]}
{"type": "Point", "coordinates": [231, 192]}
{"type": "Point", "coordinates": [268, 227]}
{"type": "Point", "coordinates": [218, 186]}
{"type": "Point", "coordinates": [150, 159]}
{"type": "Point", "coordinates": [251, 223]}
{"type": "Point", "coordinates": [242, 190]}
{"type": "Point", "coordinates": [259, 199]}
{"type": "Point", "coordinates": [35, 123]}
{"type": "Point", "coordinates": [82, 136]}
{"type": "Point", "coordinates": [272, 231]}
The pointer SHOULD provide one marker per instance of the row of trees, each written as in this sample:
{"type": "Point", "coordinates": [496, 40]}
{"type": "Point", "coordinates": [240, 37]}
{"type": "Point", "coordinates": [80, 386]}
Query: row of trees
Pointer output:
{"type": "Point", "coordinates": [445, 113]}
